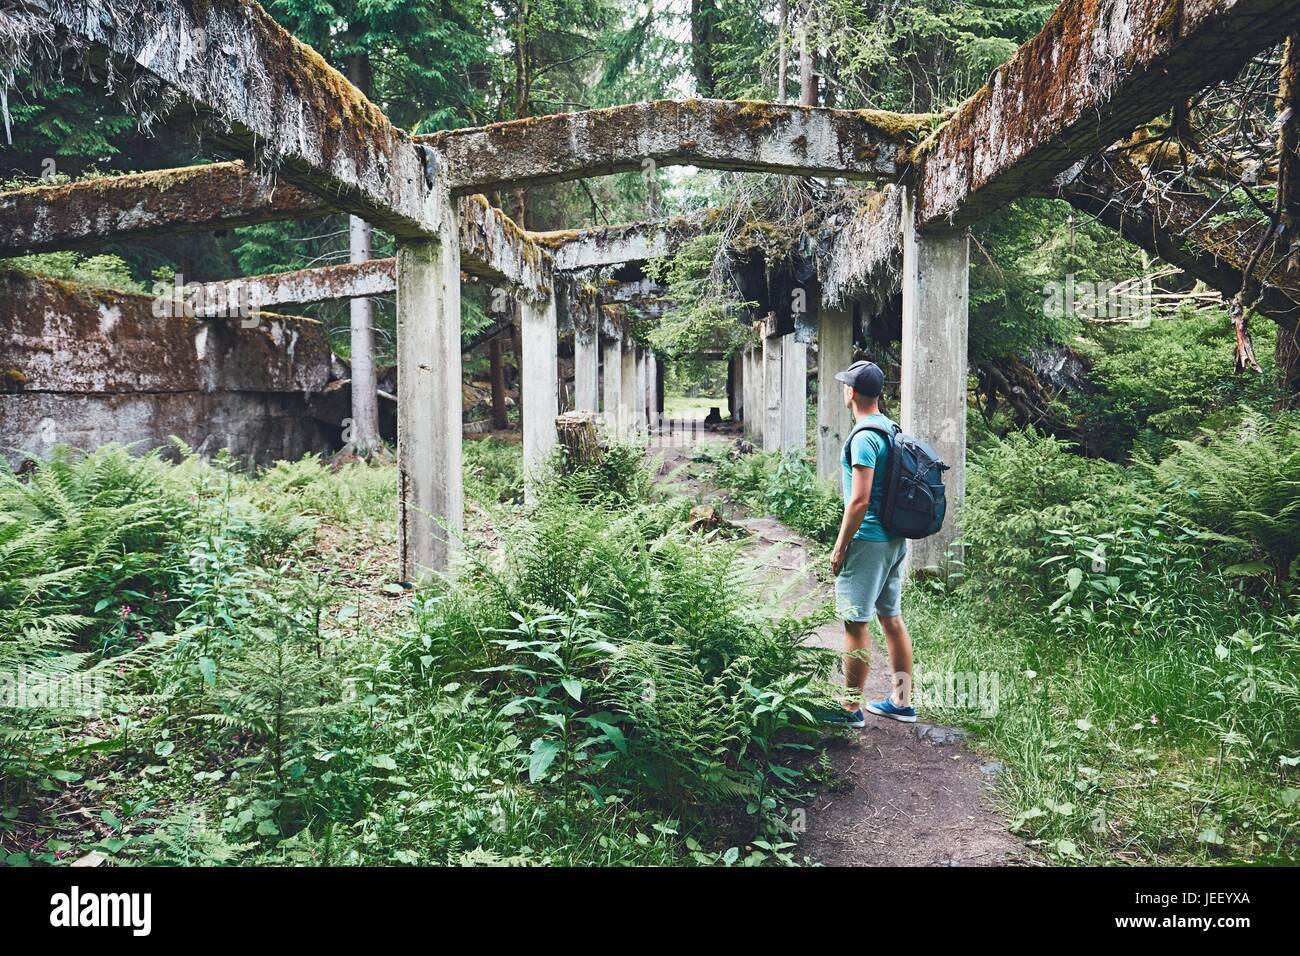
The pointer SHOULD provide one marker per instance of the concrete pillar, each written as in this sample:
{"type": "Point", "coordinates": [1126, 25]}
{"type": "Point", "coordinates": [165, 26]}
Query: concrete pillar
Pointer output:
{"type": "Point", "coordinates": [642, 377]}
{"type": "Point", "coordinates": [430, 502]}
{"type": "Point", "coordinates": [364, 437]}
{"type": "Point", "coordinates": [936, 266]}
{"type": "Point", "coordinates": [739, 384]}
{"type": "Point", "coordinates": [612, 393]}
{"type": "Point", "coordinates": [627, 422]}
{"type": "Point", "coordinates": [586, 369]}
{"type": "Point", "coordinates": [651, 389]}
{"type": "Point", "coordinates": [755, 403]}
{"type": "Point", "coordinates": [834, 354]}
{"type": "Point", "coordinates": [794, 395]}
{"type": "Point", "coordinates": [539, 386]}
{"type": "Point", "coordinates": [772, 366]}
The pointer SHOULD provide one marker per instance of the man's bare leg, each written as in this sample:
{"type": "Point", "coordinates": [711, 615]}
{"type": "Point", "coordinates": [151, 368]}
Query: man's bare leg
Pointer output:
{"type": "Point", "coordinates": [900, 658]}
{"type": "Point", "coordinates": [857, 637]}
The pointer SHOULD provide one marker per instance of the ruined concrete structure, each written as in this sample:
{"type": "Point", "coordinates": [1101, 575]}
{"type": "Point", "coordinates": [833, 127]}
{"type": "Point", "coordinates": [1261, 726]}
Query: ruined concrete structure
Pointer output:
{"type": "Point", "coordinates": [79, 366]}
{"type": "Point", "coordinates": [1093, 74]}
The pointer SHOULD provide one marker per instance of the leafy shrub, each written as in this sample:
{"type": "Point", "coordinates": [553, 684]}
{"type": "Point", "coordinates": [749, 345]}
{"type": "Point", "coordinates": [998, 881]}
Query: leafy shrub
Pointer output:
{"type": "Point", "coordinates": [1162, 383]}
{"type": "Point", "coordinates": [635, 664]}
{"type": "Point", "coordinates": [785, 486]}
{"type": "Point", "coordinates": [1021, 488]}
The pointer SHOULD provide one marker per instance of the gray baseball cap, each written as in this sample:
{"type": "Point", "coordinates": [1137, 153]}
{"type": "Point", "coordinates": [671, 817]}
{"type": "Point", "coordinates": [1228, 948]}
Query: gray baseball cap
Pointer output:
{"type": "Point", "coordinates": [865, 378]}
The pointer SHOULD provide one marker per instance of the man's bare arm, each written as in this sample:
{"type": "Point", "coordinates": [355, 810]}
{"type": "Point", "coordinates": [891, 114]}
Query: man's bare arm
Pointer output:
{"type": "Point", "coordinates": [854, 512]}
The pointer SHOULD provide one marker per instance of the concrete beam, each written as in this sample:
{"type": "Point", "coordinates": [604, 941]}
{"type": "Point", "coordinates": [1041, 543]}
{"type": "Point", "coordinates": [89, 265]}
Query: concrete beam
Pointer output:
{"type": "Point", "coordinates": [267, 93]}
{"type": "Point", "coordinates": [1093, 74]}
{"type": "Point", "coordinates": [641, 290]}
{"type": "Point", "coordinates": [599, 246]}
{"type": "Point", "coordinates": [373, 277]}
{"type": "Point", "coordinates": [936, 267]}
{"type": "Point", "coordinates": [742, 135]}
{"type": "Point", "coordinates": [142, 205]}
{"type": "Point", "coordinates": [228, 195]}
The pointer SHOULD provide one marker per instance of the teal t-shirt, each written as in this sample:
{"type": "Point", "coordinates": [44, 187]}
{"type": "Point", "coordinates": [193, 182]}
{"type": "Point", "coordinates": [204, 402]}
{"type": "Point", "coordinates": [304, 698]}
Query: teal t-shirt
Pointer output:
{"type": "Point", "coordinates": [870, 451]}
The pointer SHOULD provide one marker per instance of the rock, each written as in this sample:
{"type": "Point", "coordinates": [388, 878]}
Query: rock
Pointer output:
{"type": "Point", "coordinates": [992, 767]}
{"type": "Point", "coordinates": [932, 733]}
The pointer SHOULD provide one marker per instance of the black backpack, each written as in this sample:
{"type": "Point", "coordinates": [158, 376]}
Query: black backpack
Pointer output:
{"type": "Point", "coordinates": [914, 503]}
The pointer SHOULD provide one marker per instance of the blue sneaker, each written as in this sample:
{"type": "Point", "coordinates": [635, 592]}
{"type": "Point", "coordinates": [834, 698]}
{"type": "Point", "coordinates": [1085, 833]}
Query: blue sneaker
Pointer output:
{"type": "Point", "coordinates": [845, 718]}
{"type": "Point", "coordinates": [887, 708]}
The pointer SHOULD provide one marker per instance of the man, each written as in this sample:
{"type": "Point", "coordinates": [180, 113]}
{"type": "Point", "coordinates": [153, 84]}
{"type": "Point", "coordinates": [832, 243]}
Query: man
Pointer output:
{"type": "Point", "coordinates": [867, 560]}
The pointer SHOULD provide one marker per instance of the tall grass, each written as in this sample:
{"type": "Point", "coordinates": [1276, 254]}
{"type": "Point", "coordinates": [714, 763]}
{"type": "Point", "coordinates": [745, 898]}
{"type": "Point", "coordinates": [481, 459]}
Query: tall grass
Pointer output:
{"type": "Point", "coordinates": [1147, 704]}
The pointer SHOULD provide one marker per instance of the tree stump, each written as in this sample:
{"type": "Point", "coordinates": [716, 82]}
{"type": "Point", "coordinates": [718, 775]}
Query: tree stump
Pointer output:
{"type": "Point", "coordinates": [577, 435]}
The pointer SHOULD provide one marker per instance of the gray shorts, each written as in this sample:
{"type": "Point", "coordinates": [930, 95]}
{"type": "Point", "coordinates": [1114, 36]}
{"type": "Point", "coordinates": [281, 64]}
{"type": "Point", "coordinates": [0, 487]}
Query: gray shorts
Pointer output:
{"type": "Point", "coordinates": [871, 581]}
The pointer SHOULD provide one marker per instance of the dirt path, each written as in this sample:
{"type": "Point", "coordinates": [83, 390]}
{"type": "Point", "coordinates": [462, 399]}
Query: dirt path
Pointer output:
{"type": "Point", "coordinates": [904, 794]}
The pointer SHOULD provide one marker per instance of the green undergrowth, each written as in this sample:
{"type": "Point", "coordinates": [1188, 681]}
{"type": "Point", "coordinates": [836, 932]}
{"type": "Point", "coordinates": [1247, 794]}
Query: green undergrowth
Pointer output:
{"type": "Point", "coordinates": [593, 685]}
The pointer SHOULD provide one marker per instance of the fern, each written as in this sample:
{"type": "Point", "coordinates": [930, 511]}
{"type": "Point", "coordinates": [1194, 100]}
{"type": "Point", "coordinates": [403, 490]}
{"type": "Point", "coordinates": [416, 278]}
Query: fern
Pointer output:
{"type": "Point", "coordinates": [1244, 482]}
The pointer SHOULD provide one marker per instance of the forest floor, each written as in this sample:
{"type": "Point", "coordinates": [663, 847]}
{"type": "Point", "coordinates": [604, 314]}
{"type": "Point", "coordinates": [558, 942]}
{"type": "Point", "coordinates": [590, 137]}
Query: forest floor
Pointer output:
{"type": "Point", "coordinates": [903, 794]}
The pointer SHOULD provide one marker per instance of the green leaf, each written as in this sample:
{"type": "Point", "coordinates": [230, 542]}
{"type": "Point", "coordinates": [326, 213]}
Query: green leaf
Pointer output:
{"type": "Point", "coordinates": [65, 776]}
{"type": "Point", "coordinates": [383, 762]}
{"type": "Point", "coordinates": [208, 668]}
{"type": "Point", "coordinates": [1068, 848]}
{"type": "Point", "coordinates": [544, 753]}
{"type": "Point", "coordinates": [574, 687]}
{"type": "Point", "coordinates": [1073, 578]}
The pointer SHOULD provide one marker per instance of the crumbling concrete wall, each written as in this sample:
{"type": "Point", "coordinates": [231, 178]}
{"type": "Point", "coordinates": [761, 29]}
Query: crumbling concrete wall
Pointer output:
{"type": "Point", "coordinates": [88, 366]}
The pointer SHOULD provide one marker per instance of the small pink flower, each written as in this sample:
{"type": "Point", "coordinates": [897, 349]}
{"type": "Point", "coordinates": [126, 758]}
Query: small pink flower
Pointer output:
{"type": "Point", "coordinates": [121, 670]}
{"type": "Point", "coordinates": [1154, 720]}
{"type": "Point", "coordinates": [124, 611]}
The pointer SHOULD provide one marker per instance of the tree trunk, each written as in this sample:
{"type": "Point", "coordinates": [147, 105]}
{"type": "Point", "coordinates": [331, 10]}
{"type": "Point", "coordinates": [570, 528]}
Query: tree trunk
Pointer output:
{"type": "Point", "coordinates": [517, 342]}
{"type": "Point", "coordinates": [704, 15]}
{"type": "Point", "coordinates": [1286, 359]}
{"type": "Point", "coordinates": [497, 378]}
{"type": "Point", "coordinates": [577, 436]}
{"type": "Point", "coordinates": [807, 68]}
{"type": "Point", "coordinates": [363, 437]}
{"type": "Point", "coordinates": [782, 51]}
{"type": "Point", "coordinates": [1286, 356]}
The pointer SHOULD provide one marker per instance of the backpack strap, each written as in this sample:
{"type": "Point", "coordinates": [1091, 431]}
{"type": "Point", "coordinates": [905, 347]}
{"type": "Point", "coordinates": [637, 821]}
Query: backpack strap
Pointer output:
{"type": "Point", "coordinates": [887, 436]}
